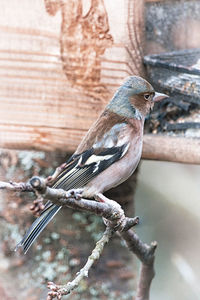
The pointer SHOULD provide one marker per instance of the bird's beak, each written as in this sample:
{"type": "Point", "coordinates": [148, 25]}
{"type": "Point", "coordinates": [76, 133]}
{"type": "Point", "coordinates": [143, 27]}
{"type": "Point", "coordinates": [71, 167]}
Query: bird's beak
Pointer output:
{"type": "Point", "coordinates": [159, 96]}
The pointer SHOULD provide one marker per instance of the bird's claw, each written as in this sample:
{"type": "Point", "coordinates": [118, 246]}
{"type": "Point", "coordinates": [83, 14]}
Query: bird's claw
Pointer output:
{"type": "Point", "coordinates": [37, 206]}
{"type": "Point", "coordinates": [51, 179]}
{"type": "Point", "coordinates": [76, 194]}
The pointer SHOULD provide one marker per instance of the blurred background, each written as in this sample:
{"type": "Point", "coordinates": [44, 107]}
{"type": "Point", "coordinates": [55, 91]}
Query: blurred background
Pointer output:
{"type": "Point", "coordinates": [167, 201]}
{"type": "Point", "coordinates": [60, 62]}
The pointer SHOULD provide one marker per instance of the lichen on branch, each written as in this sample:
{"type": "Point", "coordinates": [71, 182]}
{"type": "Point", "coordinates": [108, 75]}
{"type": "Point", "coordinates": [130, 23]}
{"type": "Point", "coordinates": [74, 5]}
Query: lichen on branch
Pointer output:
{"type": "Point", "coordinates": [114, 219]}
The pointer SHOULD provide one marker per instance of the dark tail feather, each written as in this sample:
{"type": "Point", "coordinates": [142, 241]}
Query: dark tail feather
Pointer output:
{"type": "Point", "coordinates": [36, 228]}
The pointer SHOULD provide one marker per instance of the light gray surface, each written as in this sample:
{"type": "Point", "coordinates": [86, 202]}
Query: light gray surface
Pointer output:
{"type": "Point", "coordinates": [168, 203]}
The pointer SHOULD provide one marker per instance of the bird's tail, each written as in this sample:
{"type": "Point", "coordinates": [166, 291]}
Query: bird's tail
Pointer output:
{"type": "Point", "coordinates": [36, 228]}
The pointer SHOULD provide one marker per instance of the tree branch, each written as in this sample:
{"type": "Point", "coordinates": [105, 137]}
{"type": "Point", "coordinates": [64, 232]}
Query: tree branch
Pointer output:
{"type": "Point", "coordinates": [107, 208]}
{"type": "Point", "coordinates": [115, 220]}
{"type": "Point", "coordinates": [16, 186]}
{"type": "Point", "coordinates": [146, 254]}
{"type": "Point", "coordinates": [59, 291]}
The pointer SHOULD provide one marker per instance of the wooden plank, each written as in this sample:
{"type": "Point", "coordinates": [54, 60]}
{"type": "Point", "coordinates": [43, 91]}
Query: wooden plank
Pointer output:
{"type": "Point", "coordinates": [156, 0]}
{"type": "Point", "coordinates": [169, 148]}
{"type": "Point", "coordinates": [40, 138]}
{"type": "Point", "coordinates": [57, 71]}
{"type": "Point", "coordinates": [156, 147]}
{"type": "Point", "coordinates": [56, 75]}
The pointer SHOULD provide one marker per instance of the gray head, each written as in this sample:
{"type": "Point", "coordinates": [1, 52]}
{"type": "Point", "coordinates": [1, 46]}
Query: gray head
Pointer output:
{"type": "Point", "coordinates": [134, 98]}
{"type": "Point", "coordinates": [137, 85]}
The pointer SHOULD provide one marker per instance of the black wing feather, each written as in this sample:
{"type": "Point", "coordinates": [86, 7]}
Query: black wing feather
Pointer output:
{"type": "Point", "coordinates": [80, 170]}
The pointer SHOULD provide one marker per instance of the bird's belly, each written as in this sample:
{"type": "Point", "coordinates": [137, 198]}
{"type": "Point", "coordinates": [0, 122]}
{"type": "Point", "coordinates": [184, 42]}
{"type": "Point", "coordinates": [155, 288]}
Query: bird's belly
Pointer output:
{"type": "Point", "coordinates": [116, 173]}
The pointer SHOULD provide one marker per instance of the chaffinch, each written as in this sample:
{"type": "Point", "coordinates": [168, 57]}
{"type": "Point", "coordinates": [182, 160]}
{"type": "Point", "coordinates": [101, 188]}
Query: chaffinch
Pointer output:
{"type": "Point", "coordinates": [110, 151]}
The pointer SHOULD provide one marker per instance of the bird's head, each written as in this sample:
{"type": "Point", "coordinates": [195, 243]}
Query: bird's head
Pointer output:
{"type": "Point", "coordinates": [134, 98]}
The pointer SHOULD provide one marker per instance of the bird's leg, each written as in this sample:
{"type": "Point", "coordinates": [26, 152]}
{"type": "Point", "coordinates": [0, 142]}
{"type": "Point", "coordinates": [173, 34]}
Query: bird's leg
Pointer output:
{"type": "Point", "coordinates": [37, 206]}
{"type": "Point", "coordinates": [101, 198]}
{"type": "Point", "coordinates": [121, 220]}
{"type": "Point", "coordinates": [51, 179]}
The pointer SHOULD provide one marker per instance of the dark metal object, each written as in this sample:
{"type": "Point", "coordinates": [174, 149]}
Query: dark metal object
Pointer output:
{"type": "Point", "coordinates": [178, 101]}
{"type": "Point", "coordinates": [181, 126]}
{"type": "Point", "coordinates": [181, 61]}
{"type": "Point", "coordinates": [177, 72]}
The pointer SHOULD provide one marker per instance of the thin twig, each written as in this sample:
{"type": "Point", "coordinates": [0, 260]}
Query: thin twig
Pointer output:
{"type": "Point", "coordinates": [115, 220]}
{"type": "Point", "coordinates": [59, 291]}
{"type": "Point", "coordinates": [16, 186]}
{"type": "Point", "coordinates": [72, 199]}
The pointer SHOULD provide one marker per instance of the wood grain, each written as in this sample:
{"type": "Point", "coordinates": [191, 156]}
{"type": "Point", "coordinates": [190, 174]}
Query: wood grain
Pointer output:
{"type": "Point", "coordinates": [41, 106]}
{"type": "Point", "coordinates": [57, 71]}
{"type": "Point", "coordinates": [156, 147]}
{"type": "Point", "coordinates": [169, 148]}
{"type": "Point", "coordinates": [156, 0]}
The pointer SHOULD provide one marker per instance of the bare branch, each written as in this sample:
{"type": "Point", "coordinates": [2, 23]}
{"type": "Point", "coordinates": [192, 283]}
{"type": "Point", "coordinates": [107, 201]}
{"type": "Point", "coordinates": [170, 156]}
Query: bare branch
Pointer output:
{"type": "Point", "coordinates": [144, 252]}
{"type": "Point", "coordinates": [147, 273]}
{"type": "Point", "coordinates": [115, 220]}
{"type": "Point", "coordinates": [16, 186]}
{"type": "Point", "coordinates": [59, 291]}
{"type": "Point", "coordinates": [109, 209]}
{"type": "Point", "coordinates": [146, 255]}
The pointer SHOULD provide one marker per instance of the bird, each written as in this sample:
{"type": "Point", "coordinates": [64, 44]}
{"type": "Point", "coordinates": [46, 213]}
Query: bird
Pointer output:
{"type": "Point", "coordinates": [108, 154]}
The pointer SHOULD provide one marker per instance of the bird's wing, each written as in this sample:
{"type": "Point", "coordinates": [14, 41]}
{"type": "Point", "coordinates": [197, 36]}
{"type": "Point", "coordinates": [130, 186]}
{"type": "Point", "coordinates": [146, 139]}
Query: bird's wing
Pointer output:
{"type": "Point", "coordinates": [83, 167]}
{"type": "Point", "coordinates": [80, 169]}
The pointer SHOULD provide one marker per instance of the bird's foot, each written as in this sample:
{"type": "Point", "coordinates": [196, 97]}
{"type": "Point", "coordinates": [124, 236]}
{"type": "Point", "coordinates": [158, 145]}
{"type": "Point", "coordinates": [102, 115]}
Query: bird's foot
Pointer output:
{"type": "Point", "coordinates": [119, 215]}
{"type": "Point", "coordinates": [121, 222]}
{"type": "Point", "coordinates": [75, 193]}
{"type": "Point", "coordinates": [101, 198]}
{"type": "Point", "coordinates": [37, 206]}
{"type": "Point", "coordinates": [51, 179]}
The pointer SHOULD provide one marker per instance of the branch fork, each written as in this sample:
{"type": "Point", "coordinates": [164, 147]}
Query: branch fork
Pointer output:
{"type": "Point", "coordinates": [114, 219]}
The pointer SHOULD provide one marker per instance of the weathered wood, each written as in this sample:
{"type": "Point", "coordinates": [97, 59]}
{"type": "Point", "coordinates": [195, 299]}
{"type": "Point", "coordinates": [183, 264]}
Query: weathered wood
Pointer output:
{"type": "Point", "coordinates": [60, 64]}
{"type": "Point", "coordinates": [40, 138]}
{"type": "Point", "coordinates": [169, 148]}
{"type": "Point", "coordinates": [185, 150]}
{"type": "Point", "coordinates": [156, 0]}
{"type": "Point", "coordinates": [60, 61]}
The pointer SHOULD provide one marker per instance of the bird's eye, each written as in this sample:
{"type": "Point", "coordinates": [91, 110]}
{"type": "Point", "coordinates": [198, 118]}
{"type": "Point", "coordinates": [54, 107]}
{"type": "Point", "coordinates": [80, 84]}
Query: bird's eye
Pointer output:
{"type": "Point", "coordinates": [147, 96]}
